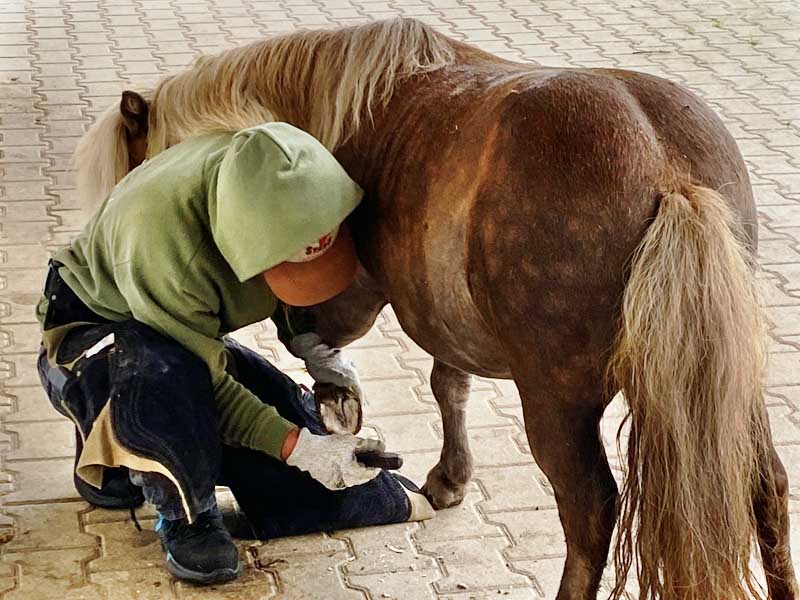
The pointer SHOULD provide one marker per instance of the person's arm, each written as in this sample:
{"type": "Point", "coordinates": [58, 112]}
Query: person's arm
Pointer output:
{"type": "Point", "coordinates": [246, 421]}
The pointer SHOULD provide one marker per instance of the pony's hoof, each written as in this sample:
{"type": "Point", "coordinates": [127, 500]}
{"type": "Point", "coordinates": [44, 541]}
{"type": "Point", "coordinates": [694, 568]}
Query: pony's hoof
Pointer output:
{"type": "Point", "coordinates": [440, 492]}
{"type": "Point", "coordinates": [339, 408]}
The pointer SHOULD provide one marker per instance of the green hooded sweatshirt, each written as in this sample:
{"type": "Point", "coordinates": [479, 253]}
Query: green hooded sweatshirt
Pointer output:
{"type": "Point", "coordinates": [181, 242]}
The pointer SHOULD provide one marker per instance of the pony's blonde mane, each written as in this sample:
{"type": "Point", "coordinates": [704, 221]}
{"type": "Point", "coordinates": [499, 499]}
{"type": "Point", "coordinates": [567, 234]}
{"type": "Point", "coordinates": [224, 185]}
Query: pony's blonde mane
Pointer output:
{"type": "Point", "coordinates": [324, 81]}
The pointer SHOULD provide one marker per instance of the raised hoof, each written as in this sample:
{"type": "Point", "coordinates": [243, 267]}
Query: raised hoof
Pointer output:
{"type": "Point", "coordinates": [339, 408]}
{"type": "Point", "coordinates": [440, 492]}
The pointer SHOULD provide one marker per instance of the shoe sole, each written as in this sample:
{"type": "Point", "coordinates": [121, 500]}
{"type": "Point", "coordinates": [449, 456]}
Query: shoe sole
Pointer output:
{"type": "Point", "coordinates": [216, 576]}
{"type": "Point", "coordinates": [102, 501]}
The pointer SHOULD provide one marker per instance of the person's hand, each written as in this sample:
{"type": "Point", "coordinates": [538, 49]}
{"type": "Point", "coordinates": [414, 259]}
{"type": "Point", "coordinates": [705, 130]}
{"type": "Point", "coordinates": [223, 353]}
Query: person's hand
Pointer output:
{"type": "Point", "coordinates": [331, 459]}
{"type": "Point", "coordinates": [325, 364]}
{"type": "Point", "coordinates": [337, 389]}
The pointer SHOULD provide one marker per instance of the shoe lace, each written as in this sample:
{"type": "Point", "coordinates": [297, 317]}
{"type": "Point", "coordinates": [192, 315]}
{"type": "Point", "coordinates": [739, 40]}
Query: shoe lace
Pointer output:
{"type": "Point", "coordinates": [199, 528]}
{"type": "Point", "coordinates": [135, 520]}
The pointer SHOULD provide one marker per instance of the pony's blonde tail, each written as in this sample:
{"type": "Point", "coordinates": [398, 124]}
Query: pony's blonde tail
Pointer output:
{"type": "Point", "coordinates": [690, 359]}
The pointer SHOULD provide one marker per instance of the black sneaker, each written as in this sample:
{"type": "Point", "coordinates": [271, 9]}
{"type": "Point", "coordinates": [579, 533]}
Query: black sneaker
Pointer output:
{"type": "Point", "coordinates": [202, 552]}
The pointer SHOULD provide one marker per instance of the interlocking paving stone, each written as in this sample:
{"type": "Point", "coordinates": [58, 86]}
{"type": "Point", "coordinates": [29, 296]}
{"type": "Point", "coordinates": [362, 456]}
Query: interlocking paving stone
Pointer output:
{"type": "Point", "coordinates": [391, 552]}
{"type": "Point", "coordinates": [462, 521]}
{"type": "Point", "coordinates": [52, 574]}
{"type": "Point", "coordinates": [49, 526]}
{"type": "Point", "coordinates": [61, 63]}
{"type": "Point", "coordinates": [475, 563]}
{"type": "Point", "coordinates": [40, 480]}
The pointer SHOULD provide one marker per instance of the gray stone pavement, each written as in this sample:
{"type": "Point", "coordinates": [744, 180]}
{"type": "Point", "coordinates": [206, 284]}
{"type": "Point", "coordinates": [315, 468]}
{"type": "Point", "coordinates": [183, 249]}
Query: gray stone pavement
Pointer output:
{"type": "Point", "coordinates": [63, 60]}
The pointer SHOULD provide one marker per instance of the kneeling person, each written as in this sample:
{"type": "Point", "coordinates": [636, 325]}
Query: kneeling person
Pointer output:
{"type": "Point", "coordinates": [196, 243]}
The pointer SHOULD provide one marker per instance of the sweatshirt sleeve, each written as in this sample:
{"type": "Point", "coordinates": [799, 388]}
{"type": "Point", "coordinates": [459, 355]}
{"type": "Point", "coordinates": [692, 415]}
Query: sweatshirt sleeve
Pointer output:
{"type": "Point", "coordinates": [244, 419]}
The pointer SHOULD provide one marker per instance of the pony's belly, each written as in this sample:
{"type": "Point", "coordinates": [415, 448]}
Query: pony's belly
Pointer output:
{"type": "Point", "coordinates": [453, 334]}
{"type": "Point", "coordinates": [425, 268]}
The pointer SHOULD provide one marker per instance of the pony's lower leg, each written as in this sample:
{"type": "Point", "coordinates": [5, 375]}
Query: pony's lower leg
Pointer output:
{"type": "Point", "coordinates": [446, 482]}
{"type": "Point", "coordinates": [771, 508]}
{"type": "Point", "coordinates": [562, 423]}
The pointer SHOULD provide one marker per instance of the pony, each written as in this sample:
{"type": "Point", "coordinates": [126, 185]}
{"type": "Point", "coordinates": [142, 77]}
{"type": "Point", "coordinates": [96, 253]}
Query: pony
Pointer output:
{"type": "Point", "coordinates": [580, 231]}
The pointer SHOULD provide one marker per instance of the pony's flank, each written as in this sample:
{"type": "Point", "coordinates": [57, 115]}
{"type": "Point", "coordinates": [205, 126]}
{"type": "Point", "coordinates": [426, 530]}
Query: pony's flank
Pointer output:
{"type": "Point", "coordinates": [324, 81]}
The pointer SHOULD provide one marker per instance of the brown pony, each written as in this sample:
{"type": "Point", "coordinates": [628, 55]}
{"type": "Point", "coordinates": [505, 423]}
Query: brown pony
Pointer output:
{"type": "Point", "coordinates": [582, 231]}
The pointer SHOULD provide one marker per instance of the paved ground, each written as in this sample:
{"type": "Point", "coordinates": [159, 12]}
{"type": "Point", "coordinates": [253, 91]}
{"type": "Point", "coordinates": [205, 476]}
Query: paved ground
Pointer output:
{"type": "Point", "coordinates": [62, 60]}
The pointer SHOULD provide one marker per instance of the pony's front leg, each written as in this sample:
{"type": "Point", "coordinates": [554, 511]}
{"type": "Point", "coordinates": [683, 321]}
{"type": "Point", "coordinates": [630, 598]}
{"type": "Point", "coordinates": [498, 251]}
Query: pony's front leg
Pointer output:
{"type": "Point", "coordinates": [447, 481]}
{"type": "Point", "coordinates": [315, 334]}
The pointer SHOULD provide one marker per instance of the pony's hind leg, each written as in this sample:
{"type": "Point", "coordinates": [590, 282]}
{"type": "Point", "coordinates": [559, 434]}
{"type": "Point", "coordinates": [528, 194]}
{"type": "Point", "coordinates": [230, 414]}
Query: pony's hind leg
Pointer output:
{"type": "Point", "coordinates": [446, 482]}
{"type": "Point", "coordinates": [771, 509]}
{"type": "Point", "coordinates": [562, 416]}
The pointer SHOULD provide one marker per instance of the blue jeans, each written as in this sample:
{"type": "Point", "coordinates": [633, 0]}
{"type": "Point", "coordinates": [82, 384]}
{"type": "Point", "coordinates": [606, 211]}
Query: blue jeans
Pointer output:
{"type": "Point", "coordinates": [294, 402]}
{"type": "Point", "coordinates": [159, 491]}
{"type": "Point", "coordinates": [277, 499]}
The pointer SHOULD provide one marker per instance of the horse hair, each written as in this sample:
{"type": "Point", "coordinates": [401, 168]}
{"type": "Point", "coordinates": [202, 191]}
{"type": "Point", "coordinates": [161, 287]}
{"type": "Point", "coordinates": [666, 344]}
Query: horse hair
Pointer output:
{"type": "Point", "coordinates": [324, 81]}
{"type": "Point", "coordinates": [690, 361]}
